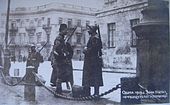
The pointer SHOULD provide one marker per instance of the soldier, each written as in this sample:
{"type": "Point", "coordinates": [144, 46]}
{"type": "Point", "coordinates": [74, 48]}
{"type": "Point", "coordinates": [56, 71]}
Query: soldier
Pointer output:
{"type": "Point", "coordinates": [34, 58]}
{"type": "Point", "coordinates": [68, 63]}
{"type": "Point", "coordinates": [61, 62]}
{"type": "Point", "coordinates": [92, 68]}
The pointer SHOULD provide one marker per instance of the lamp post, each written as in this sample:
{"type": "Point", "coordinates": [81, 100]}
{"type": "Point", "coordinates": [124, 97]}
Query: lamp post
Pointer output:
{"type": "Point", "coordinates": [7, 62]}
{"type": "Point", "coordinates": [7, 24]}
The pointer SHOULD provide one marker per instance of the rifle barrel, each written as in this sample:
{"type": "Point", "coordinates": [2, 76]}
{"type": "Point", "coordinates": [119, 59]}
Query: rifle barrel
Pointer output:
{"type": "Point", "coordinates": [43, 46]}
{"type": "Point", "coordinates": [67, 38]}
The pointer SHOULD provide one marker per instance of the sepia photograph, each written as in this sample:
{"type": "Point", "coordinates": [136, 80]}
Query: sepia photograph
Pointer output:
{"type": "Point", "coordinates": [84, 52]}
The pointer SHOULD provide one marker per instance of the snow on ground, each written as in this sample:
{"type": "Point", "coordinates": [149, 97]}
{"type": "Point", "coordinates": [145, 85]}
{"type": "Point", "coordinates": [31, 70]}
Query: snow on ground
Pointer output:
{"type": "Point", "coordinates": [109, 79]}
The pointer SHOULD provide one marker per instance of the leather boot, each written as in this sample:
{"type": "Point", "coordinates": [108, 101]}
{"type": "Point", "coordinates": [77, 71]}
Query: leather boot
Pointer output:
{"type": "Point", "coordinates": [58, 87]}
{"type": "Point", "coordinates": [87, 91]}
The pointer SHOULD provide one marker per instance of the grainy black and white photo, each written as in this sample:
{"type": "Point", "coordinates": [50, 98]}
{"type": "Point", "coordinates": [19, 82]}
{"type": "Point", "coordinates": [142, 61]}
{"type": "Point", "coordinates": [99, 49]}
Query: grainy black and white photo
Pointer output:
{"type": "Point", "coordinates": [84, 52]}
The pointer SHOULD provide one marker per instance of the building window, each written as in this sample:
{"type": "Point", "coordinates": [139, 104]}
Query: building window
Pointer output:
{"type": "Point", "coordinates": [31, 39]}
{"type": "Point", "coordinates": [133, 22]}
{"type": "Point", "coordinates": [22, 24]}
{"type": "Point", "coordinates": [13, 24]}
{"type": "Point", "coordinates": [48, 21]}
{"type": "Point", "coordinates": [21, 39]}
{"type": "Point", "coordinates": [24, 38]}
{"type": "Point", "coordinates": [18, 20]}
{"type": "Point", "coordinates": [78, 39]}
{"type": "Point", "coordinates": [69, 23]}
{"type": "Point", "coordinates": [39, 35]}
{"type": "Point", "coordinates": [60, 20]}
{"type": "Point", "coordinates": [42, 18]}
{"type": "Point", "coordinates": [87, 23]}
{"type": "Point", "coordinates": [78, 22]}
{"type": "Point", "coordinates": [111, 34]}
{"type": "Point", "coordinates": [39, 23]}
{"type": "Point", "coordinates": [31, 23]}
{"type": "Point", "coordinates": [27, 20]}
{"type": "Point", "coordinates": [36, 19]}
{"type": "Point", "coordinates": [12, 39]}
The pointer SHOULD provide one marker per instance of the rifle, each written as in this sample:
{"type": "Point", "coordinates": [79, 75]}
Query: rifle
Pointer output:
{"type": "Point", "coordinates": [100, 52]}
{"type": "Point", "coordinates": [69, 36]}
{"type": "Point", "coordinates": [43, 47]}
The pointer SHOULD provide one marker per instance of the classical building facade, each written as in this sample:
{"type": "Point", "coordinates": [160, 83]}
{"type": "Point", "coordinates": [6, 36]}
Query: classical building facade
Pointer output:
{"type": "Point", "coordinates": [116, 21]}
{"type": "Point", "coordinates": [39, 25]}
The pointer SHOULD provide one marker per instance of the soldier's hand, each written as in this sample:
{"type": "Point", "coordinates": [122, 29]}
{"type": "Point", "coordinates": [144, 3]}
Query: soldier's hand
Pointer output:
{"type": "Point", "coordinates": [85, 50]}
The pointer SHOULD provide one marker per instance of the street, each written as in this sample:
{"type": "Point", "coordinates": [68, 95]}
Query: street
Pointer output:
{"type": "Point", "coordinates": [109, 79]}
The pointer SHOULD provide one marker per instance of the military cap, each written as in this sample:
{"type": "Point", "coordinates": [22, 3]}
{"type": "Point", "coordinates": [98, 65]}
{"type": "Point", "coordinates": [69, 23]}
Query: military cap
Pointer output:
{"type": "Point", "coordinates": [62, 27]}
{"type": "Point", "coordinates": [32, 45]}
{"type": "Point", "coordinates": [92, 29]}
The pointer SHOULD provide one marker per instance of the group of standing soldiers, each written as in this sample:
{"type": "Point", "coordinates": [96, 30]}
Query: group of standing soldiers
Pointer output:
{"type": "Point", "coordinates": [61, 61]}
{"type": "Point", "coordinates": [62, 54]}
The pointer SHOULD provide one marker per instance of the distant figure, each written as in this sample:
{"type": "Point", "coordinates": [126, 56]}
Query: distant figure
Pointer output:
{"type": "Point", "coordinates": [61, 60]}
{"type": "Point", "coordinates": [24, 59]}
{"type": "Point", "coordinates": [34, 58]}
{"type": "Point", "coordinates": [92, 68]}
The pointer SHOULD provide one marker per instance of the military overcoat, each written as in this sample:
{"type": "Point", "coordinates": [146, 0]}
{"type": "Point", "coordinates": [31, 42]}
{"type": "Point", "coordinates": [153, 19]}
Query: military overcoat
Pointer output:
{"type": "Point", "coordinates": [92, 69]}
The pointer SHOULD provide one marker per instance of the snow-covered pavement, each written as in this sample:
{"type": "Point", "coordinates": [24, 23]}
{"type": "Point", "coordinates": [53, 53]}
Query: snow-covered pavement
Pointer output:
{"type": "Point", "coordinates": [110, 79]}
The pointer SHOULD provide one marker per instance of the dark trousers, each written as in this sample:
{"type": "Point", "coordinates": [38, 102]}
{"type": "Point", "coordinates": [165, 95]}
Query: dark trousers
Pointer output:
{"type": "Point", "coordinates": [96, 90]}
{"type": "Point", "coordinates": [88, 93]}
{"type": "Point", "coordinates": [58, 86]}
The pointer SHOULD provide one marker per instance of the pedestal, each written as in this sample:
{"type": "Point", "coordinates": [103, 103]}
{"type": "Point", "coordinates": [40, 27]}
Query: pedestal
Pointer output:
{"type": "Point", "coordinates": [29, 88]}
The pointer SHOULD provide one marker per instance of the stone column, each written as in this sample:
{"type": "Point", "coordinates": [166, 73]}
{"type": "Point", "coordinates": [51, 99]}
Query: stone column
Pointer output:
{"type": "Point", "coordinates": [153, 61]}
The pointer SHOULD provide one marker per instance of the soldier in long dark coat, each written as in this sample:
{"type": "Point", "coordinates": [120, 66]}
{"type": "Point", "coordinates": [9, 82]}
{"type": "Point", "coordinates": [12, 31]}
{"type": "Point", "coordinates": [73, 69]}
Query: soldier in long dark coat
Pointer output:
{"type": "Point", "coordinates": [62, 54]}
{"type": "Point", "coordinates": [92, 69]}
{"type": "Point", "coordinates": [34, 58]}
{"type": "Point", "coordinates": [68, 66]}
